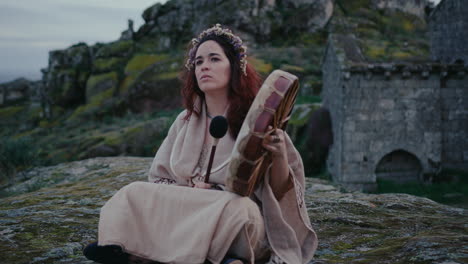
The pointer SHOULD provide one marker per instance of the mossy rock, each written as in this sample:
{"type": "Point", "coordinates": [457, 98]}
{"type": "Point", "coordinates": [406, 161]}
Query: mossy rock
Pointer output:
{"type": "Point", "coordinates": [301, 113]}
{"type": "Point", "coordinates": [294, 69]}
{"type": "Point", "coordinates": [122, 48]}
{"type": "Point", "coordinates": [133, 140]}
{"type": "Point", "coordinates": [350, 7]}
{"type": "Point", "coordinates": [54, 213]}
{"type": "Point", "coordinates": [375, 52]}
{"type": "Point", "coordinates": [261, 66]}
{"type": "Point", "coordinates": [10, 112]}
{"type": "Point", "coordinates": [384, 35]}
{"type": "Point", "coordinates": [137, 64]}
{"type": "Point", "coordinates": [79, 57]}
{"type": "Point", "coordinates": [103, 82]}
{"type": "Point", "coordinates": [140, 62]}
{"type": "Point", "coordinates": [150, 45]}
{"type": "Point", "coordinates": [96, 104]}
{"type": "Point", "coordinates": [157, 87]}
{"type": "Point", "coordinates": [67, 86]}
{"type": "Point", "coordinates": [108, 64]}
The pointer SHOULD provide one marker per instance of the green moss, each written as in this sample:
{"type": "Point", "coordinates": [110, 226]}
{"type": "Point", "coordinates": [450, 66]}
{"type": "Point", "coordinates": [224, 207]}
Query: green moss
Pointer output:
{"type": "Point", "coordinates": [45, 124]}
{"type": "Point", "coordinates": [452, 191]}
{"type": "Point", "coordinates": [350, 7]}
{"type": "Point", "coordinates": [94, 103]}
{"type": "Point", "coordinates": [113, 139]}
{"type": "Point", "coordinates": [107, 64]}
{"type": "Point", "coordinates": [167, 76]}
{"type": "Point", "coordinates": [94, 81]}
{"type": "Point", "coordinates": [402, 55]}
{"type": "Point", "coordinates": [308, 99]}
{"type": "Point", "coordinates": [140, 62]}
{"type": "Point", "coordinates": [341, 246]}
{"type": "Point", "coordinates": [126, 84]}
{"type": "Point", "coordinates": [260, 65]}
{"type": "Point", "coordinates": [10, 111]}
{"type": "Point", "coordinates": [115, 49]}
{"type": "Point", "coordinates": [366, 32]}
{"type": "Point", "coordinates": [388, 245]}
{"type": "Point", "coordinates": [314, 39]}
{"type": "Point", "coordinates": [408, 25]}
{"type": "Point", "coordinates": [83, 76]}
{"type": "Point", "coordinates": [67, 87]}
{"type": "Point", "coordinates": [374, 52]}
{"type": "Point", "coordinates": [301, 114]}
{"type": "Point", "coordinates": [147, 45]}
{"type": "Point", "coordinates": [97, 79]}
{"type": "Point", "coordinates": [292, 68]}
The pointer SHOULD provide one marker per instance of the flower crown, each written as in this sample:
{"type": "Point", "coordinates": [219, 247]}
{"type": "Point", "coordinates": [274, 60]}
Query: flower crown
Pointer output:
{"type": "Point", "coordinates": [234, 40]}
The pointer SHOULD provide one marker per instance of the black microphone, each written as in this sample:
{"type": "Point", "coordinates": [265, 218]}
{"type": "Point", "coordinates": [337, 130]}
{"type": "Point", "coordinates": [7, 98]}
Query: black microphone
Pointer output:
{"type": "Point", "coordinates": [218, 129]}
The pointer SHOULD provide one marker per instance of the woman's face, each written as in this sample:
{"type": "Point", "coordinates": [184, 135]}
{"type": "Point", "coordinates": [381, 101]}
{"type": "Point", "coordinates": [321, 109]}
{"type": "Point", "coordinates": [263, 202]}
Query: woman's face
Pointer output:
{"type": "Point", "coordinates": [212, 68]}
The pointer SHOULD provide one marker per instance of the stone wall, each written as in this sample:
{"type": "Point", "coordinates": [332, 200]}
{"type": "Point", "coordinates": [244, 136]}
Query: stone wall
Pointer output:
{"type": "Point", "coordinates": [454, 100]}
{"type": "Point", "coordinates": [333, 101]}
{"type": "Point", "coordinates": [384, 114]}
{"type": "Point", "coordinates": [448, 25]}
{"type": "Point", "coordinates": [395, 121]}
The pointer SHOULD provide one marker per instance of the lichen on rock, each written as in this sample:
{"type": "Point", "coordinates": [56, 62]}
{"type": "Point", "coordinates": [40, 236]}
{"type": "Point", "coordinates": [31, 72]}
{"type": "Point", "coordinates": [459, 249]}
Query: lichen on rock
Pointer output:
{"type": "Point", "coordinates": [52, 223]}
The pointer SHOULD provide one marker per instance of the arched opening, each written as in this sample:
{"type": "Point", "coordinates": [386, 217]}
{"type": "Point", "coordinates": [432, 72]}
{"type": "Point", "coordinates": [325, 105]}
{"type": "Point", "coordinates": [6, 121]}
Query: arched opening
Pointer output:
{"type": "Point", "coordinates": [399, 166]}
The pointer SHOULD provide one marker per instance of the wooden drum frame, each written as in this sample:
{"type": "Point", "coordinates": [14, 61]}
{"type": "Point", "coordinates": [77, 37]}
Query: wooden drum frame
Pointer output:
{"type": "Point", "coordinates": [272, 106]}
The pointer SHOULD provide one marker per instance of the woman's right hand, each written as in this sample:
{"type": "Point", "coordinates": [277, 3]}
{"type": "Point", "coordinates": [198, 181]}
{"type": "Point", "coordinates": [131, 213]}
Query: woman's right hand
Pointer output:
{"type": "Point", "coordinates": [202, 185]}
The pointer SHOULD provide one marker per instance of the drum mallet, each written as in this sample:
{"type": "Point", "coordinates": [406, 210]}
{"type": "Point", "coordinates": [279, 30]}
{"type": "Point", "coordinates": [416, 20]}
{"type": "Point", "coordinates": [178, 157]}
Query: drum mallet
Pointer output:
{"type": "Point", "coordinates": [218, 129]}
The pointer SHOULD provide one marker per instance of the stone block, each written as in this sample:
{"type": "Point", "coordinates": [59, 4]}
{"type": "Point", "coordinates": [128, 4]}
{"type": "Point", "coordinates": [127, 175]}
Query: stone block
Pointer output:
{"type": "Point", "coordinates": [349, 127]}
{"type": "Point", "coordinates": [452, 156]}
{"type": "Point", "coordinates": [363, 116]}
{"type": "Point", "coordinates": [458, 114]}
{"type": "Point", "coordinates": [386, 104]}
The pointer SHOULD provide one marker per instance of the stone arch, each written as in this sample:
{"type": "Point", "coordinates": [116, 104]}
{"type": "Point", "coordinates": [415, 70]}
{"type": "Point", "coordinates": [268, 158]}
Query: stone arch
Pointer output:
{"type": "Point", "coordinates": [399, 166]}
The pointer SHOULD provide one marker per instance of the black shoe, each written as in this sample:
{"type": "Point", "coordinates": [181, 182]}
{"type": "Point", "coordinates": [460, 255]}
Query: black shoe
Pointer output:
{"type": "Point", "coordinates": [232, 261]}
{"type": "Point", "coordinates": [111, 254]}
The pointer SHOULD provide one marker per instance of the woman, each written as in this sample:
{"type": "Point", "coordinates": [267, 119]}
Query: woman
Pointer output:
{"type": "Point", "coordinates": [182, 219]}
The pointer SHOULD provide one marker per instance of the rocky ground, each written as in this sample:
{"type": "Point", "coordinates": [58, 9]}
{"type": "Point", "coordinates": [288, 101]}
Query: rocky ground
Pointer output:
{"type": "Point", "coordinates": [54, 212]}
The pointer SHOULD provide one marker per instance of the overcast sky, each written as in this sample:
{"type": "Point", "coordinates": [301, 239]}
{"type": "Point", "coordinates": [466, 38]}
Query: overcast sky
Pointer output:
{"type": "Point", "coordinates": [31, 28]}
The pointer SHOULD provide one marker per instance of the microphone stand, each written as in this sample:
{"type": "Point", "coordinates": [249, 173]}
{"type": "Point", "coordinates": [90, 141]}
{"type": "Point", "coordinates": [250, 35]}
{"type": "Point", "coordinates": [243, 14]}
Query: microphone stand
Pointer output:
{"type": "Point", "coordinates": [218, 129]}
{"type": "Point", "coordinates": [210, 162]}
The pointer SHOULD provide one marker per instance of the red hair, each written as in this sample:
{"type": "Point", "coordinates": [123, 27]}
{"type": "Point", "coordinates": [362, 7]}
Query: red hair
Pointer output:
{"type": "Point", "coordinates": [242, 88]}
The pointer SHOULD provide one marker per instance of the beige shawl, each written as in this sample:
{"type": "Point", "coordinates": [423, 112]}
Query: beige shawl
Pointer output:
{"type": "Point", "coordinates": [289, 232]}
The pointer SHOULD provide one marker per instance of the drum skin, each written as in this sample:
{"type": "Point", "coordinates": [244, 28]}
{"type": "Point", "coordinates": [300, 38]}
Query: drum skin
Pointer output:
{"type": "Point", "coordinates": [271, 107]}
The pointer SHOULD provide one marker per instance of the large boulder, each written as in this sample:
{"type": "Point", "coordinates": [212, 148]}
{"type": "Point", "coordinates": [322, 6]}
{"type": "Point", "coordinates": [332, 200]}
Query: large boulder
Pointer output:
{"type": "Point", "coordinates": [260, 19]}
{"type": "Point", "coordinates": [153, 87]}
{"type": "Point", "coordinates": [415, 7]}
{"type": "Point", "coordinates": [16, 91]}
{"type": "Point", "coordinates": [54, 212]}
{"type": "Point", "coordinates": [19, 105]}
{"type": "Point", "coordinates": [66, 75]}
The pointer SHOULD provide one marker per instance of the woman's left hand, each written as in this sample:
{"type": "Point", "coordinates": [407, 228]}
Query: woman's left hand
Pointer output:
{"type": "Point", "coordinates": [275, 143]}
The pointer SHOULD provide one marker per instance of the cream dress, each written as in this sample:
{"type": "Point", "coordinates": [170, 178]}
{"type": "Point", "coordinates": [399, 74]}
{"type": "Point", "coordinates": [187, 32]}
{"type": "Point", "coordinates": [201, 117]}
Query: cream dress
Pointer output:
{"type": "Point", "coordinates": [168, 221]}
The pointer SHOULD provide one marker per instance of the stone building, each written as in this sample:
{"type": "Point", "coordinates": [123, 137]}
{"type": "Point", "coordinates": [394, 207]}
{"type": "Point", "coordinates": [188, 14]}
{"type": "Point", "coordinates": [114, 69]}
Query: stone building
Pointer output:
{"type": "Point", "coordinates": [448, 31]}
{"type": "Point", "coordinates": [397, 121]}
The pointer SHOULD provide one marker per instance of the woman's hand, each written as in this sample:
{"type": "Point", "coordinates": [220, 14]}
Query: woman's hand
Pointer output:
{"type": "Point", "coordinates": [275, 143]}
{"type": "Point", "coordinates": [280, 181]}
{"type": "Point", "coordinates": [202, 185]}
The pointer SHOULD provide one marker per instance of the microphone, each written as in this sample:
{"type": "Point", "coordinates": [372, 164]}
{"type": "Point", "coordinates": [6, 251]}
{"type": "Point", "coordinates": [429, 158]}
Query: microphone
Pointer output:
{"type": "Point", "coordinates": [218, 128]}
